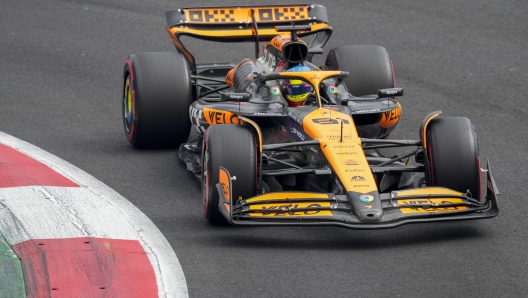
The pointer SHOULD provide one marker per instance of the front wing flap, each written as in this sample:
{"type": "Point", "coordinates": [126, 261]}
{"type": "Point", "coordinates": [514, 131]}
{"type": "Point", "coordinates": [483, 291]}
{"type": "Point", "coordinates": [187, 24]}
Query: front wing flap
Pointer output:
{"type": "Point", "coordinates": [419, 205]}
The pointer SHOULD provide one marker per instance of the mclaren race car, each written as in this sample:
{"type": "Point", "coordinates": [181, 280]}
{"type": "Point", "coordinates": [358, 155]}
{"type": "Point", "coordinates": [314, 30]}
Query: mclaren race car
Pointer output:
{"type": "Point", "coordinates": [281, 141]}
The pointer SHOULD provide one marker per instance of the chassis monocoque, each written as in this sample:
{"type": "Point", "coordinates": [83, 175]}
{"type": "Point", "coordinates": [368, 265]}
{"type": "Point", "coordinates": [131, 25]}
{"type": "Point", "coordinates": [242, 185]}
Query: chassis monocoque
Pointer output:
{"type": "Point", "coordinates": [262, 162]}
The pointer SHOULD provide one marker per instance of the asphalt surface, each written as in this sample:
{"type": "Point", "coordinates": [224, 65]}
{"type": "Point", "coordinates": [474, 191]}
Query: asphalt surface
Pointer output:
{"type": "Point", "coordinates": [60, 89]}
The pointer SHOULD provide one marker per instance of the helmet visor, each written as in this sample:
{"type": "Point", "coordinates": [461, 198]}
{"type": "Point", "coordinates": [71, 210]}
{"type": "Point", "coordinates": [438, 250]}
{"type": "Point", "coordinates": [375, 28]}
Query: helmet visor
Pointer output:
{"type": "Point", "coordinates": [297, 87]}
{"type": "Point", "coordinates": [297, 98]}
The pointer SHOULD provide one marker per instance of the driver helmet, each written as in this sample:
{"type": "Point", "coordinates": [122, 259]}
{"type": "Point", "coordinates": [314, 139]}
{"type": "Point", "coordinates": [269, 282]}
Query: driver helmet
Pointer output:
{"type": "Point", "coordinates": [297, 91]}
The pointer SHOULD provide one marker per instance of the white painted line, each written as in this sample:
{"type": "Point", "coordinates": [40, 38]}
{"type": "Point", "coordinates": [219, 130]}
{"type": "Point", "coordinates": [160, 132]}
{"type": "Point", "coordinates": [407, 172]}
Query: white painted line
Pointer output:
{"type": "Point", "coordinates": [93, 210]}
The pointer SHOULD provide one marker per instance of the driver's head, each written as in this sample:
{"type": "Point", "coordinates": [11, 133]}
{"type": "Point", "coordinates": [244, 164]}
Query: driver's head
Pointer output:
{"type": "Point", "coordinates": [297, 91]}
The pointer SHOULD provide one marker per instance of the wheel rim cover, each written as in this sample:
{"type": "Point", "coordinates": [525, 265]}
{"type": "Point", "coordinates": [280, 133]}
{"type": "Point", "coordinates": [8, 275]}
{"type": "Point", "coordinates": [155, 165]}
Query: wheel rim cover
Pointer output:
{"type": "Point", "coordinates": [128, 106]}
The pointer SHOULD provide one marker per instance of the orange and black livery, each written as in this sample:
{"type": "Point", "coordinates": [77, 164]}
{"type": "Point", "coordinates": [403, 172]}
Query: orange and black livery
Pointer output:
{"type": "Point", "coordinates": [263, 161]}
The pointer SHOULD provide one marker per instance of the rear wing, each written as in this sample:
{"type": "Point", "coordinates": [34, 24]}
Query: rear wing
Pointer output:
{"type": "Point", "coordinates": [246, 24]}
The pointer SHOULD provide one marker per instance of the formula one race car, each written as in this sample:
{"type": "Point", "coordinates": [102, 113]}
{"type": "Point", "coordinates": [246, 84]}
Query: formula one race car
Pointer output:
{"type": "Point", "coordinates": [280, 141]}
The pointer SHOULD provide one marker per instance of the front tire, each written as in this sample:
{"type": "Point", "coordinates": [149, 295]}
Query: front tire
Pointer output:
{"type": "Point", "coordinates": [369, 67]}
{"type": "Point", "coordinates": [234, 148]}
{"type": "Point", "coordinates": [453, 159]}
{"type": "Point", "coordinates": [156, 99]}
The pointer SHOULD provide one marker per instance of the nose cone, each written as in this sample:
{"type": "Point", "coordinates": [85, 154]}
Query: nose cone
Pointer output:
{"type": "Point", "coordinates": [370, 216]}
{"type": "Point", "coordinates": [367, 206]}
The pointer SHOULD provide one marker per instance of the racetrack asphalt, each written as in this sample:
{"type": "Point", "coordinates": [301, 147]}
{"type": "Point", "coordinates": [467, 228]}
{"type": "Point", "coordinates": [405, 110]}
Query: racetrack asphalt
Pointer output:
{"type": "Point", "coordinates": [60, 89]}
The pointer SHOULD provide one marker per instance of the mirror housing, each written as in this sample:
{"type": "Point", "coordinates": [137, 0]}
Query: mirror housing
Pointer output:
{"type": "Point", "coordinates": [390, 92]}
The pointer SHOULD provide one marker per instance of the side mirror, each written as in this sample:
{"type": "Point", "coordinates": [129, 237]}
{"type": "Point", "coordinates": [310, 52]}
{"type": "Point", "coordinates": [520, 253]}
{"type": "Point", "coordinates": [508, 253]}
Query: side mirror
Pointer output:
{"type": "Point", "coordinates": [315, 51]}
{"type": "Point", "coordinates": [390, 92]}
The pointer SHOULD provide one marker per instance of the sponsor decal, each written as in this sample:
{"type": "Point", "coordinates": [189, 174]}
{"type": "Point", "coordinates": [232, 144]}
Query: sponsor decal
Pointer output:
{"type": "Point", "coordinates": [294, 131]}
{"type": "Point", "coordinates": [281, 66]}
{"type": "Point", "coordinates": [211, 15]}
{"type": "Point", "coordinates": [346, 153]}
{"type": "Point", "coordinates": [268, 59]}
{"type": "Point", "coordinates": [225, 190]}
{"type": "Point", "coordinates": [338, 137]}
{"type": "Point", "coordinates": [430, 205]}
{"type": "Point", "coordinates": [272, 62]}
{"type": "Point", "coordinates": [291, 209]}
{"type": "Point", "coordinates": [195, 113]}
{"type": "Point", "coordinates": [343, 146]}
{"type": "Point", "coordinates": [295, 118]}
{"type": "Point", "coordinates": [315, 150]}
{"type": "Point", "coordinates": [196, 116]}
{"type": "Point", "coordinates": [267, 114]}
{"type": "Point", "coordinates": [315, 77]}
{"type": "Point", "coordinates": [366, 198]}
{"type": "Point", "coordinates": [392, 115]}
{"type": "Point", "coordinates": [236, 96]}
{"type": "Point", "coordinates": [240, 14]}
{"type": "Point", "coordinates": [367, 111]}
{"type": "Point", "coordinates": [368, 207]}
{"type": "Point", "coordinates": [291, 13]}
{"type": "Point", "coordinates": [275, 90]}
{"type": "Point", "coordinates": [350, 162]}
{"type": "Point", "coordinates": [219, 117]}
{"type": "Point", "coordinates": [354, 170]}
{"type": "Point", "coordinates": [330, 121]}
{"type": "Point", "coordinates": [331, 89]}
{"type": "Point", "coordinates": [279, 40]}
{"type": "Point", "coordinates": [390, 118]}
{"type": "Point", "coordinates": [358, 178]}
{"type": "Point", "coordinates": [335, 134]}
{"type": "Point", "coordinates": [224, 182]}
{"type": "Point", "coordinates": [361, 185]}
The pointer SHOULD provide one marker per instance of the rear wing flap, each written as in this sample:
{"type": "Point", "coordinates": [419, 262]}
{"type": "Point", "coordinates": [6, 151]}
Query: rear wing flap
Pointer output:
{"type": "Point", "coordinates": [231, 18]}
{"type": "Point", "coordinates": [246, 24]}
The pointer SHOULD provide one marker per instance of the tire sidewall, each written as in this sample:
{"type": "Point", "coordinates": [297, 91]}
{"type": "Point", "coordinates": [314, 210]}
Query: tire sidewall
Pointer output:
{"type": "Point", "coordinates": [161, 117]}
{"type": "Point", "coordinates": [453, 159]}
{"type": "Point", "coordinates": [244, 166]}
{"type": "Point", "coordinates": [369, 67]}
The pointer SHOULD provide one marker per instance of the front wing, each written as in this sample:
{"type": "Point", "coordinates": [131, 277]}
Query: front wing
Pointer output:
{"type": "Point", "coordinates": [321, 209]}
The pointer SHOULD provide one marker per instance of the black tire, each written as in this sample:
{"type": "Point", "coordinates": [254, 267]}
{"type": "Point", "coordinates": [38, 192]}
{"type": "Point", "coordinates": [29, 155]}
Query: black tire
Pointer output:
{"type": "Point", "coordinates": [453, 156]}
{"type": "Point", "coordinates": [369, 66]}
{"type": "Point", "coordinates": [234, 148]}
{"type": "Point", "coordinates": [156, 99]}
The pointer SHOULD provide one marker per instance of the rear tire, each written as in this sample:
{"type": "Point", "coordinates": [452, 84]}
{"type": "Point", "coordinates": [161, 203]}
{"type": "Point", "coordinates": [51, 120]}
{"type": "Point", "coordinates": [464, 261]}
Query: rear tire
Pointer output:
{"type": "Point", "coordinates": [453, 159]}
{"type": "Point", "coordinates": [234, 148]}
{"type": "Point", "coordinates": [369, 67]}
{"type": "Point", "coordinates": [156, 99]}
